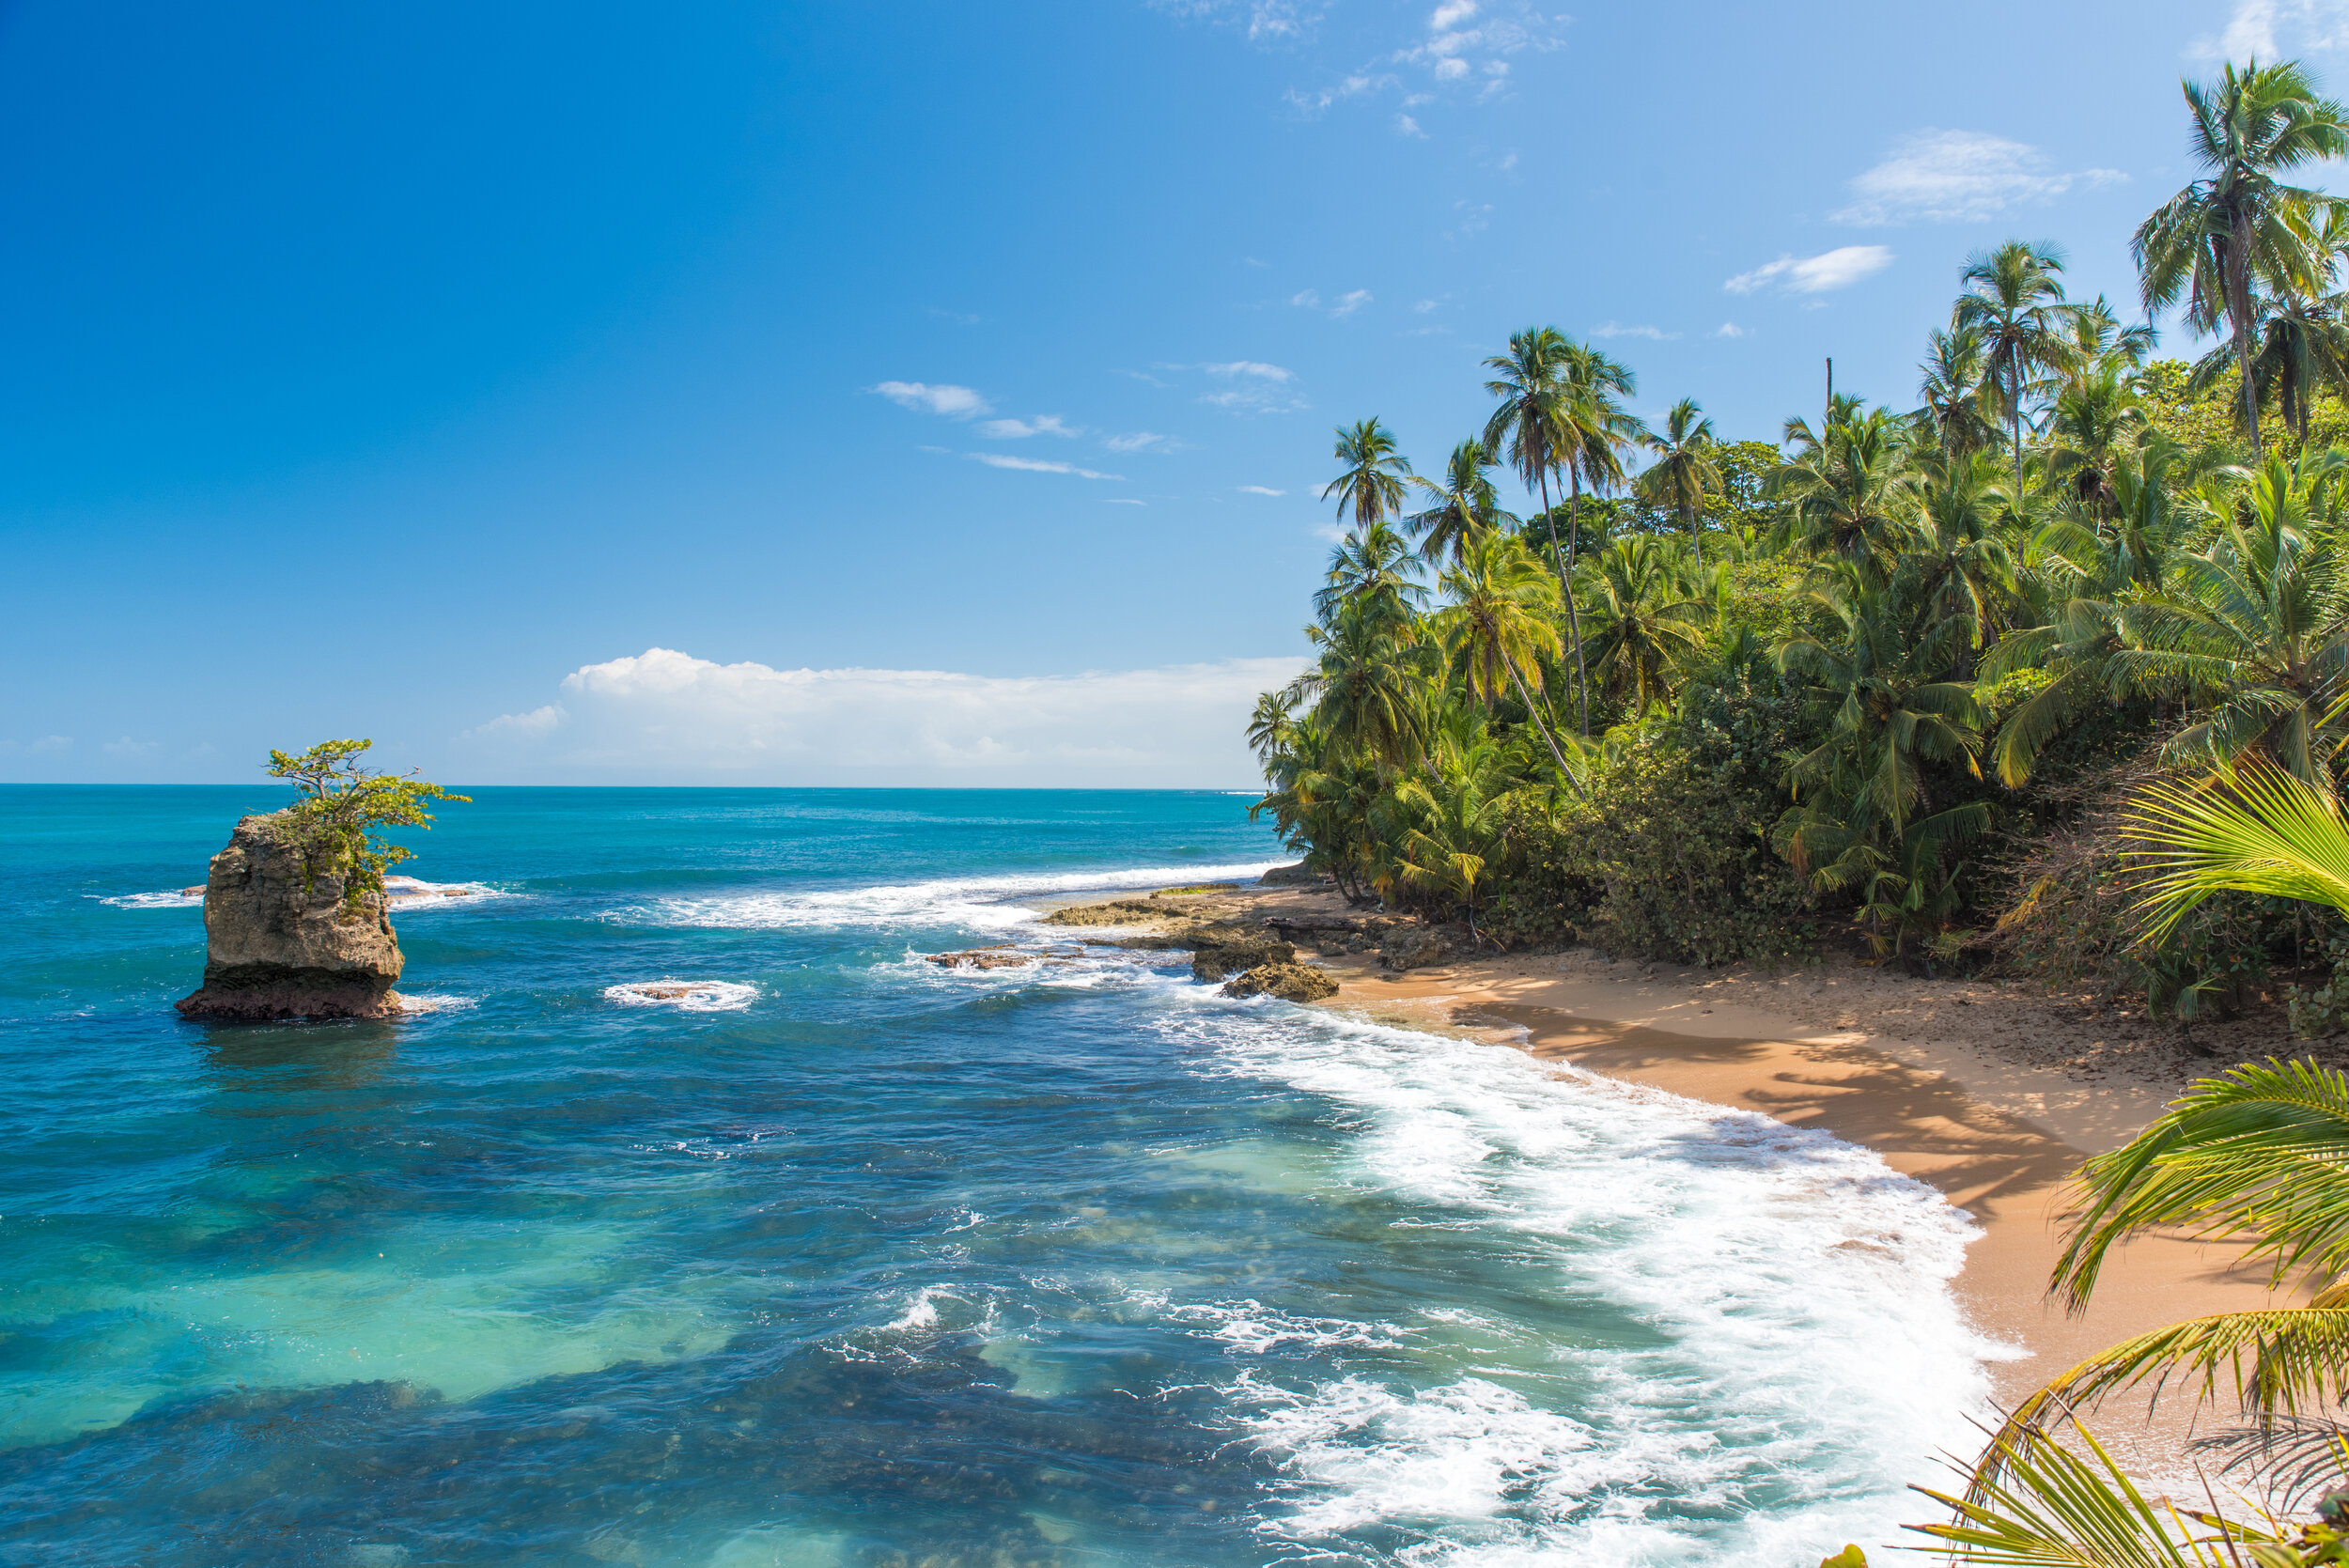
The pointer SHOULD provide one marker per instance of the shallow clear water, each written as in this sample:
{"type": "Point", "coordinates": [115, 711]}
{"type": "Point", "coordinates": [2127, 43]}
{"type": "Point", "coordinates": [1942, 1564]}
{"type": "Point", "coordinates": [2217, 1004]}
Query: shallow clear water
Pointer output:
{"type": "Point", "coordinates": [857, 1261]}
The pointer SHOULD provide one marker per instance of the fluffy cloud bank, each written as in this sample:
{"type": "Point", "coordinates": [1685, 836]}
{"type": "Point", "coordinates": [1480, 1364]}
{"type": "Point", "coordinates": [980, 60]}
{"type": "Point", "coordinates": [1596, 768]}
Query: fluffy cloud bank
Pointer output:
{"type": "Point", "coordinates": [664, 717]}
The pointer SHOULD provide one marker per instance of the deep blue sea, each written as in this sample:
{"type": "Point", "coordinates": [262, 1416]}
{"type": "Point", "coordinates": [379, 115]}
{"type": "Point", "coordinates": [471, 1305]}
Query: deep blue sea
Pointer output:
{"type": "Point", "coordinates": [845, 1259]}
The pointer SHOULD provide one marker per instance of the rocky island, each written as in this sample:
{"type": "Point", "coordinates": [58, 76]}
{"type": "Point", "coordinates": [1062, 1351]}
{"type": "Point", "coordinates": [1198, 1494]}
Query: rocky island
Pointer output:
{"type": "Point", "coordinates": [296, 922]}
{"type": "Point", "coordinates": [285, 938]}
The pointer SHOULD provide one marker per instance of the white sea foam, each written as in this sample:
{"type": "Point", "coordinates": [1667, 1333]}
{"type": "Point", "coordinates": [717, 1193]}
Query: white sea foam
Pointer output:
{"type": "Point", "coordinates": [985, 902]}
{"type": "Point", "coordinates": [689, 996]}
{"type": "Point", "coordinates": [1799, 1358]}
{"type": "Point", "coordinates": [410, 1001]}
{"type": "Point", "coordinates": [173, 900]}
{"type": "Point", "coordinates": [403, 894]}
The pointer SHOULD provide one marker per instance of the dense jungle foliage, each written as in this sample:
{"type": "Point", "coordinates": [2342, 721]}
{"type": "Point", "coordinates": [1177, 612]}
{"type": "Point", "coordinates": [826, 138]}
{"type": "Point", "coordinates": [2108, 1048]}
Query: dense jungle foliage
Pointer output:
{"type": "Point", "coordinates": [1887, 679]}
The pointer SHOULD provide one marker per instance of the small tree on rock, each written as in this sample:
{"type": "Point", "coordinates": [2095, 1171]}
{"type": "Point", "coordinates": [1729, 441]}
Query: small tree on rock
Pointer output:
{"type": "Point", "coordinates": [344, 803]}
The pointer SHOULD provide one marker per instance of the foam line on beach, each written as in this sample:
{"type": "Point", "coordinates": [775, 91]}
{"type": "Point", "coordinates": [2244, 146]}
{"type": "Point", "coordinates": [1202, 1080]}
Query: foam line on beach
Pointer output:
{"type": "Point", "coordinates": [984, 903]}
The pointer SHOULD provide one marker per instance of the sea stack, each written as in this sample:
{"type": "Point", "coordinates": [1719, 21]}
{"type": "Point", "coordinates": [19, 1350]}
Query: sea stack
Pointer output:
{"type": "Point", "coordinates": [281, 940]}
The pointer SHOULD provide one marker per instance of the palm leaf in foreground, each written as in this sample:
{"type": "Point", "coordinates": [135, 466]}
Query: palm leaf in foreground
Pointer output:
{"type": "Point", "coordinates": [2254, 828]}
{"type": "Point", "coordinates": [2048, 1507]}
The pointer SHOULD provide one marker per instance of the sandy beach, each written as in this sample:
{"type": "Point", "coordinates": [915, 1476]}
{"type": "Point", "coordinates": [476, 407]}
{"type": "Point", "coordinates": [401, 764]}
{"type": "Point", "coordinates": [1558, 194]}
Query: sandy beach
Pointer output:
{"type": "Point", "coordinates": [1989, 1092]}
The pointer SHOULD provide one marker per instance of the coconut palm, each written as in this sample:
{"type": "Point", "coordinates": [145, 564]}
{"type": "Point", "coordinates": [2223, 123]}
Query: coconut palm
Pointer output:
{"type": "Point", "coordinates": [1525, 424]}
{"type": "Point", "coordinates": [1596, 429]}
{"type": "Point", "coordinates": [1373, 568]}
{"type": "Point", "coordinates": [1448, 824]}
{"type": "Point", "coordinates": [1957, 569]}
{"type": "Point", "coordinates": [1501, 623]}
{"type": "Point", "coordinates": [2240, 221]}
{"type": "Point", "coordinates": [2013, 300]}
{"type": "Point", "coordinates": [1684, 474]}
{"type": "Point", "coordinates": [1369, 485]}
{"type": "Point", "coordinates": [1851, 493]}
{"type": "Point", "coordinates": [1644, 618]}
{"type": "Point", "coordinates": [2088, 575]}
{"type": "Point", "coordinates": [2256, 628]}
{"type": "Point", "coordinates": [2299, 347]}
{"type": "Point", "coordinates": [1462, 508]}
{"type": "Point", "coordinates": [1957, 404]}
{"type": "Point", "coordinates": [1364, 685]}
{"type": "Point", "coordinates": [2096, 417]}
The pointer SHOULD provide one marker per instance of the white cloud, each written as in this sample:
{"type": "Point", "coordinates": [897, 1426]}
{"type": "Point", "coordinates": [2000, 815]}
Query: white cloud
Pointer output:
{"type": "Point", "coordinates": [1306, 299]}
{"type": "Point", "coordinates": [2273, 29]}
{"type": "Point", "coordinates": [1450, 15]}
{"type": "Point", "coordinates": [1348, 304]}
{"type": "Point", "coordinates": [1019, 430]}
{"type": "Point", "coordinates": [1955, 176]}
{"type": "Point", "coordinates": [1424, 306]}
{"type": "Point", "coordinates": [1141, 440]}
{"type": "Point", "coordinates": [1260, 489]}
{"type": "Point", "coordinates": [1616, 329]}
{"type": "Point", "coordinates": [128, 750]}
{"type": "Point", "coordinates": [1126, 501]}
{"type": "Point", "coordinates": [954, 403]}
{"type": "Point", "coordinates": [666, 717]}
{"type": "Point", "coordinates": [1835, 269]}
{"type": "Point", "coordinates": [1406, 126]}
{"type": "Point", "coordinates": [1035, 465]}
{"type": "Point", "coordinates": [1250, 367]}
{"type": "Point", "coordinates": [1729, 329]}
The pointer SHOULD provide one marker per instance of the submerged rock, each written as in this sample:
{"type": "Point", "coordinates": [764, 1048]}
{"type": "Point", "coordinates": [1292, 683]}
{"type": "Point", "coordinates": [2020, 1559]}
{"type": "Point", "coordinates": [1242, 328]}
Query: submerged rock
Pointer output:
{"type": "Point", "coordinates": [1412, 947]}
{"type": "Point", "coordinates": [1290, 982]}
{"type": "Point", "coordinates": [982, 958]}
{"type": "Point", "coordinates": [1118, 912]}
{"type": "Point", "coordinates": [281, 941]}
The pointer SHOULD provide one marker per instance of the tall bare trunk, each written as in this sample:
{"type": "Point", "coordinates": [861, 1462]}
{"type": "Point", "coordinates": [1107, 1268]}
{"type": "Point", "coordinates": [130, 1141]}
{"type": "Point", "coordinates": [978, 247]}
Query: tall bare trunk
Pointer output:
{"type": "Point", "coordinates": [2239, 317]}
{"type": "Point", "coordinates": [1534, 713]}
{"type": "Point", "coordinates": [1574, 622]}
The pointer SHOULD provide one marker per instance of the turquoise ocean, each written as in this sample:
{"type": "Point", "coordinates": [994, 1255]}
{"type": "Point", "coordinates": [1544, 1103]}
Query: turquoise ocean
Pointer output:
{"type": "Point", "coordinates": [846, 1259]}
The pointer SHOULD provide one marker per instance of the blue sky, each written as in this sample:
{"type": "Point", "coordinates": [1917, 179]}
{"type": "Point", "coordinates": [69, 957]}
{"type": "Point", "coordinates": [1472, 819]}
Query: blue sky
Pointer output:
{"type": "Point", "coordinates": [922, 393]}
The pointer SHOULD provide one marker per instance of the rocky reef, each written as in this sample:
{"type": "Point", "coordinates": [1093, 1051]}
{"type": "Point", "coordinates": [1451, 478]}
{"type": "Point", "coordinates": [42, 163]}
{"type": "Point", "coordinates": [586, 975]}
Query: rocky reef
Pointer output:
{"type": "Point", "coordinates": [281, 939]}
{"type": "Point", "coordinates": [1290, 982]}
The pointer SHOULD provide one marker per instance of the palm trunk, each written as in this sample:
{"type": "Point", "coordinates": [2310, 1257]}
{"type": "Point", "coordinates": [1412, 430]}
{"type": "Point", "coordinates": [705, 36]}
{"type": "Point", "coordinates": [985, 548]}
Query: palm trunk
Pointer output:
{"type": "Point", "coordinates": [2239, 314]}
{"type": "Point", "coordinates": [1574, 622]}
{"type": "Point", "coordinates": [1535, 714]}
{"type": "Point", "coordinates": [1696, 546]}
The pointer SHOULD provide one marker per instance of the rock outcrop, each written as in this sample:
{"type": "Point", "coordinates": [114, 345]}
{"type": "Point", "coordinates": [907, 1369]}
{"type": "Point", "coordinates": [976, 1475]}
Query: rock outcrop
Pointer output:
{"type": "Point", "coordinates": [1000, 957]}
{"type": "Point", "coordinates": [1290, 982]}
{"type": "Point", "coordinates": [1292, 877]}
{"type": "Point", "coordinates": [282, 942]}
{"type": "Point", "coordinates": [1218, 951]}
{"type": "Point", "coordinates": [1412, 947]}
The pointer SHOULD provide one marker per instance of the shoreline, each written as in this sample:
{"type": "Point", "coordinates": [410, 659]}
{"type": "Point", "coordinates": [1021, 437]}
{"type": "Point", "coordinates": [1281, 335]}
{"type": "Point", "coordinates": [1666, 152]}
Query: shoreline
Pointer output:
{"type": "Point", "coordinates": [1997, 1132]}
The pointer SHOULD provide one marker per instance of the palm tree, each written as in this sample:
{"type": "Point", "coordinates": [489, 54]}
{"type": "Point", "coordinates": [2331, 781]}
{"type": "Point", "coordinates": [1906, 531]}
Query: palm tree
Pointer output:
{"type": "Point", "coordinates": [1595, 428]}
{"type": "Point", "coordinates": [1956, 403]}
{"type": "Point", "coordinates": [1501, 623]}
{"type": "Point", "coordinates": [2240, 222]}
{"type": "Point", "coordinates": [2013, 300]}
{"type": "Point", "coordinates": [1462, 508]}
{"type": "Point", "coordinates": [2097, 417]}
{"type": "Point", "coordinates": [1449, 824]}
{"type": "Point", "coordinates": [2299, 346]}
{"type": "Point", "coordinates": [1684, 474]}
{"type": "Point", "coordinates": [1644, 618]}
{"type": "Point", "coordinates": [1958, 569]}
{"type": "Point", "coordinates": [1851, 492]}
{"type": "Point", "coordinates": [2087, 576]}
{"type": "Point", "coordinates": [1364, 686]}
{"type": "Point", "coordinates": [1371, 483]}
{"type": "Point", "coordinates": [2257, 625]}
{"type": "Point", "coordinates": [1373, 568]}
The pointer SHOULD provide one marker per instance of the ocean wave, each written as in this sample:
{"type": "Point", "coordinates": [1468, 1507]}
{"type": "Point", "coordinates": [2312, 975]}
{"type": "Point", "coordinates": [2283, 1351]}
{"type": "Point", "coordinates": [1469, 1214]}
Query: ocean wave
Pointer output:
{"type": "Point", "coordinates": [403, 894]}
{"type": "Point", "coordinates": [410, 1003]}
{"type": "Point", "coordinates": [1796, 1341]}
{"type": "Point", "coordinates": [689, 996]}
{"type": "Point", "coordinates": [985, 903]}
{"type": "Point", "coordinates": [168, 900]}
